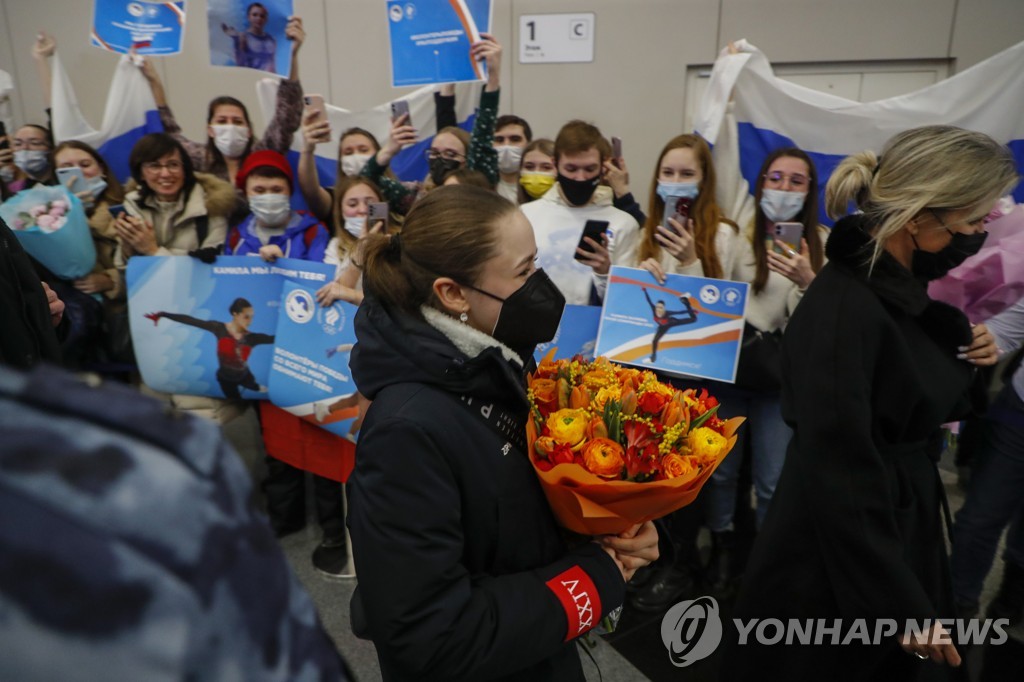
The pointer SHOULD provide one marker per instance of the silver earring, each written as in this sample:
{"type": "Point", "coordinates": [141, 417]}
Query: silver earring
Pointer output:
{"type": "Point", "coordinates": [464, 317]}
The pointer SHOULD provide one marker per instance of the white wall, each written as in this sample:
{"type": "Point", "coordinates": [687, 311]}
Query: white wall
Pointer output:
{"type": "Point", "coordinates": [635, 88]}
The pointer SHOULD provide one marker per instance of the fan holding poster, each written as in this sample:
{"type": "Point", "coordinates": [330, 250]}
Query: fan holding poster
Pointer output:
{"type": "Point", "coordinates": [686, 326]}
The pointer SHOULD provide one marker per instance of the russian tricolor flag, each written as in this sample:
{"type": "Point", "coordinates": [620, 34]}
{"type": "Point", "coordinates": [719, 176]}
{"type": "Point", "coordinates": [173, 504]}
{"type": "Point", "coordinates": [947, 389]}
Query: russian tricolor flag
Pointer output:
{"type": "Point", "coordinates": [130, 113]}
{"type": "Point", "coordinates": [767, 113]}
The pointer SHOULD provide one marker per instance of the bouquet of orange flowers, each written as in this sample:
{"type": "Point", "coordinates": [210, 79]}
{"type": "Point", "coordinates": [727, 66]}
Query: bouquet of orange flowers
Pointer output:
{"type": "Point", "coordinates": [614, 447]}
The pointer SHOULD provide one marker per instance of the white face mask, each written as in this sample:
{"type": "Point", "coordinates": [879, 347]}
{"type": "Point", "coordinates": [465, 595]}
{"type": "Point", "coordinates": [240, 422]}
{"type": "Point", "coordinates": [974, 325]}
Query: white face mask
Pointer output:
{"type": "Point", "coordinates": [779, 206]}
{"type": "Point", "coordinates": [33, 161]}
{"type": "Point", "coordinates": [509, 158]}
{"type": "Point", "coordinates": [271, 210]}
{"type": "Point", "coordinates": [355, 226]}
{"type": "Point", "coordinates": [353, 163]}
{"type": "Point", "coordinates": [230, 140]}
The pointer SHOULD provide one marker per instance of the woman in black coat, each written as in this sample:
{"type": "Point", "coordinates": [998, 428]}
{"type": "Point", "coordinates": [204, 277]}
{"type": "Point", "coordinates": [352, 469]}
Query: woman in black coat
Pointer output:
{"type": "Point", "coordinates": [872, 367]}
{"type": "Point", "coordinates": [463, 574]}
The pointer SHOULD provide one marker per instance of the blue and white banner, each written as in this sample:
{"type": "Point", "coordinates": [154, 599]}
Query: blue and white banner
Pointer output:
{"type": "Point", "coordinates": [688, 326]}
{"type": "Point", "coordinates": [769, 112]}
{"type": "Point", "coordinates": [431, 39]}
{"type": "Point", "coordinates": [130, 113]}
{"type": "Point", "coordinates": [209, 330]}
{"type": "Point", "coordinates": [309, 375]}
{"type": "Point", "coordinates": [150, 26]}
{"type": "Point", "coordinates": [250, 34]}
{"type": "Point", "coordinates": [576, 334]}
{"type": "Point", "coordinates": [410, 163]}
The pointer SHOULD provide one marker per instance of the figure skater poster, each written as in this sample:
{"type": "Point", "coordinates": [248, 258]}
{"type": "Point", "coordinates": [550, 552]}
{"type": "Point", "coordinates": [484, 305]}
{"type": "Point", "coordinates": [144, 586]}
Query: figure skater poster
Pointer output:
{"type": "Point", "coordinates": [576, 334]}
{"type": "Point", "coordinates": [210, 330]}
{"type": "Point", "coordinates": [688, 326]}
{"type": "Point", "coordinates": [309, 374]}
{"type": "Point", "coordinates": [250, 34]}
{"type": "Point", "coordinates": [150, 26]}
{"type": "Point", "coordinates": [430, 40]}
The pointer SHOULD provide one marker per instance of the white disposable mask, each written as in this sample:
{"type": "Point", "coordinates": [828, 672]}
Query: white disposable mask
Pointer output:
{"type": "Point", "coordinates": [677, 190]}
{"type": "Point", "coordinates": [779, 205]}
{"type": "Point", "coordinates": [272, 210]}
{"type": "Point", "coordinates": [230, 139]}
{"type": "Point", "coordinates": [509, 158]}
{"type": "Point", "coordinates": [33, 161]}
{"type": "Point", "coordinates": [351, 164]}
{"type": "Point", "coordinates": [354, 226]}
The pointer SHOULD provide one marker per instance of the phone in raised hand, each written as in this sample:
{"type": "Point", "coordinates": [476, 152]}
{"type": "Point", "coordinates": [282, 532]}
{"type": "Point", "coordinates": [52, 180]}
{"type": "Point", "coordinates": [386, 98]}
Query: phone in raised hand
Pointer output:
{"type": "Point", "coordinates": [616, 147]}
{"type": "Point", "coordinates": [789, 234]}
{"type": "Point", "coordinates": [399, 108]}
{"type": "Point", "coordinates": [593, 229]}
{"type": "Point", "coordinates": [73, 178]}
{"type": "Point", "coordinates": [316, 103]}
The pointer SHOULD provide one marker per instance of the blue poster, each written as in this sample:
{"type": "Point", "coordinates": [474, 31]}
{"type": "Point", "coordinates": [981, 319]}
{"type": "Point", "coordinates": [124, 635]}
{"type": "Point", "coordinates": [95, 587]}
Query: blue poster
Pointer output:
{"type": "Point", "coordinates": [250, 34]}
{"type": "Point", "coordinates": [689, 326]}
{"type": "Point", "coordinates": [150, 27]}
{"type": "Point", "coordinates": [309, 374]}
{"type": "Point", "coordinates": [209, 330]}
{"type": "Point", "coordinates": [576, 334]}
{"type": "Point", "coordinates": [430, 40]}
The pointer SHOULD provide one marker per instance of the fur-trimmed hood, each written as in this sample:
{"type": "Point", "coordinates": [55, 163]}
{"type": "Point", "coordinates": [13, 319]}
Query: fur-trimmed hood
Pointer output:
{"type": "Point", "coordinates": [219, 196]}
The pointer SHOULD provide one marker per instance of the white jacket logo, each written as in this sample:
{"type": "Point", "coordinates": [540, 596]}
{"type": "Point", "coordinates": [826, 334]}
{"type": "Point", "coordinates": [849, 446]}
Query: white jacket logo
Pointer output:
{"type": "Point", "coordinates": [584, 609]}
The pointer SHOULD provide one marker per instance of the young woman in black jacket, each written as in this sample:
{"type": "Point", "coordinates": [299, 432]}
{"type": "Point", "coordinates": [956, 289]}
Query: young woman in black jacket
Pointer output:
{"type": "Point", "coordinates": [463, 573]}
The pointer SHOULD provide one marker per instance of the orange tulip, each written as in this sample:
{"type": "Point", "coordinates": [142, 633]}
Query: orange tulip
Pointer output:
{"type": "Point", "coordinates": [629, 402]}
{"type": "Point", "coordinates": [579, 399]}
{"type": "Point", "coordinates": [562, 388]}
{"type": "Point", "coordinates": [597, 428]}
{"type": "Point", "coordinates": [671, 414]}
{"type": "Point", "coordinates": [545, 445]}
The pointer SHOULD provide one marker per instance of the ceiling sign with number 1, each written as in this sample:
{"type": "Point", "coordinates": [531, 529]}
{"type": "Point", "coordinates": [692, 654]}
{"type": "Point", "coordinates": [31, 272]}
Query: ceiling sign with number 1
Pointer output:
{"type": "Point", "coordinates": [556, 38]}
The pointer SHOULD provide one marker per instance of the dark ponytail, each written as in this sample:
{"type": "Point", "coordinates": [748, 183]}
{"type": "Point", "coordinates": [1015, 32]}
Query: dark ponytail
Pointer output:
{"type": "Point", "coordinates": [450, 232]}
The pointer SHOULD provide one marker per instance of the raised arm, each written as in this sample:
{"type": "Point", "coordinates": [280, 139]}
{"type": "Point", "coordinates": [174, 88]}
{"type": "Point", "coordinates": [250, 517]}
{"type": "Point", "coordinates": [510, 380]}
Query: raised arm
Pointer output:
{"type": "Point", "coordinates": [42, 50]}
{"type": "Point", "coordinates": [314, 131]}
{"type": "Point", "coordinates": [482, 155]}
{"type": "Point", "coordinates": [444, 107]}
{"type": "Point", "coordinates": [288, 105]}
{"type": "Point", "coordinates": [196, 150]}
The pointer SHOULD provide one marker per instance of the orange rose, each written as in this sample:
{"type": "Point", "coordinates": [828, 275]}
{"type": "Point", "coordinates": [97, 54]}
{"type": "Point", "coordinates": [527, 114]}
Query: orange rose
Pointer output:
{"type": "Point", "coordinates": [544, 391]}
{"type": "Point", "coordinates": [674, 466]}
{"type": "Point", "coordinates": [568, 426]}
{"type": "Point", "coordinates": [604, 458]}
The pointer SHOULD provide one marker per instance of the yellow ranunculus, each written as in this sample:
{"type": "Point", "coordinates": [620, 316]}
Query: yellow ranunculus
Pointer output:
{"type": "Point", "coordinates": [603, 396]}
{"type": "Point", "coordinates": [568, 426]}
{"type": "Point", "coordinates": [707, 444]}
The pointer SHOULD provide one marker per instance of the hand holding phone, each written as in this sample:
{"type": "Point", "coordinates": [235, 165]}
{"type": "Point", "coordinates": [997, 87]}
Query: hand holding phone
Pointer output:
{"type": "Point", "coordinates": [399, 108]}
{"type": "Point", "coordinates": [616, 148]}
{"type": "Point", "coordinates": [73, 178]}
{"type": "Point", "coordinates": [788, 233]}
{"type": "Point", "coordinates": [316, 103]}
{"type": "Point", "coordinates": [594, 229]}
{"type": "Point", "coordinates": [377, 211]}
{"type": "Point", "coordinates": [679, 212]}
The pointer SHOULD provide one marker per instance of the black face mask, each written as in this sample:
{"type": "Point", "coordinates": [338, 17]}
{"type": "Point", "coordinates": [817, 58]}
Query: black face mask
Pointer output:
{"type": "Point", "coordinates": [578, 192]}
{"type": "Point", "coordinates": [928, 266]}
{"type": "Point", "coordinates": [530, 315]}
{"type": "Point", "coordinates": [440, 167]}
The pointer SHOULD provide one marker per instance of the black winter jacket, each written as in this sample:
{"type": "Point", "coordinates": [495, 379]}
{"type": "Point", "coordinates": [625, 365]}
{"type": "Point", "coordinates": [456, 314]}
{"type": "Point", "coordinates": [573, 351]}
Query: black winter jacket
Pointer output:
{"type": "Point", "coordinates": [27, 335]}
{"type": "Point", "coordinates": [463, 573]}
{"type": "Point", "coordinates": [855, 527]}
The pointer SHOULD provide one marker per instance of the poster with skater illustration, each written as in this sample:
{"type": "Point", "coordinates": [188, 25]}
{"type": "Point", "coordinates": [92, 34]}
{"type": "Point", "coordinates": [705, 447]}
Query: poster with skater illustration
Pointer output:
{"type": "Point", "coordinates": [688, 326]}
{"type": "Point", "coordinates": [576, 334]}
{"type": "Point", "coordinates": [250, 34]}
{"type": "Point", "coordinates": [210, 330]}
{"type": "Point", "coordinates": [309, 374]}
{"type": "Point", "coordinates": [430, 40]}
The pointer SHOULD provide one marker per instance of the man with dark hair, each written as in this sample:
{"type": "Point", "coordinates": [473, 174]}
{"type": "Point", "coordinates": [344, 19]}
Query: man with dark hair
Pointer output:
{"type": "Point", "coordinates": [511, 135]}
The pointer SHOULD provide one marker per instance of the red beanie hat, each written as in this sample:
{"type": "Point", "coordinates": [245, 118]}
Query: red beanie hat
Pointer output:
{"type": "Point", "coordinates": [267, 158]}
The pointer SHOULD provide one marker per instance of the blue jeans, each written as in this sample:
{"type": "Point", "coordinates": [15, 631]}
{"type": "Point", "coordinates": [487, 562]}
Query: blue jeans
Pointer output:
{"type": "Point", "coordinates": [769, 437]}
{"type": "Point", "coordinates": [995, 499]}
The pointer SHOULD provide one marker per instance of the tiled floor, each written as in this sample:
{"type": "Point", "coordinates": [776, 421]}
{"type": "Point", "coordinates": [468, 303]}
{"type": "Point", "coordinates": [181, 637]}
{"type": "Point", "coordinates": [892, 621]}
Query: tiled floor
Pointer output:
{"type": "Point", "coordinates": [638, 653]}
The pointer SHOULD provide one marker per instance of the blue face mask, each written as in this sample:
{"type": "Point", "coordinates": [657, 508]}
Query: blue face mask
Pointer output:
{"type": "Point", "coordinates": [677, 190]}
{"type": "Point", "coordinates": [96, 186]}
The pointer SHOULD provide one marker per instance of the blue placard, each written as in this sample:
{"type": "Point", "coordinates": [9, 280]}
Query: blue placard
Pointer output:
{"type": "Point", "coordinates": [149, 27]}
{"type": "Point", "coordinates": [250, 34]}
{"type": "Point", "coordinates": [201, 329]}
{"type": "Point", "coordinates": [309, 374]}
{"type": "Point", "coordinates": [576, 335]}
{"type": "Point", "coordinates": [688, 326]}
{"type": "Point", "coordinates": [430, 40]}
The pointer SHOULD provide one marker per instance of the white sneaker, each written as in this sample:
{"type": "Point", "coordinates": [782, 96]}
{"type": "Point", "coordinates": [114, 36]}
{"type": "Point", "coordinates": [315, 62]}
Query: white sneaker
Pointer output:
{"type": "Point", "coordinates": [320, 410]}
{"type": "Point", "coordinates": [647, 361]}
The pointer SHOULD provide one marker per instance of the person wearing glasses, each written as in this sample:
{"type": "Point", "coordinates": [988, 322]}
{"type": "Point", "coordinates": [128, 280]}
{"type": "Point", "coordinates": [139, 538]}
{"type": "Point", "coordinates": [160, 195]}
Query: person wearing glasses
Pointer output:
{"type": "Point", "coordinates": [27, 161]}
{"type": "Point", "coordinates": [452, 148]}
{"type": "Point", "coordinates": [871, 369]}
{"type": "Point", "coordinates": [786, 191]}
